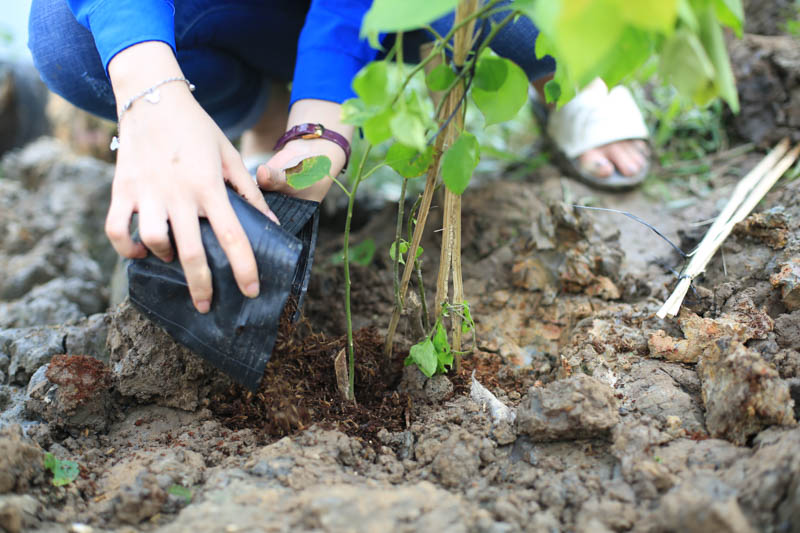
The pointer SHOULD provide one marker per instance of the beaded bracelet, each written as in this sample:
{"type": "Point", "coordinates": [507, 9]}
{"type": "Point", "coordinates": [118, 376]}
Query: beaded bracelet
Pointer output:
{"type": "Point", "coordinates": [152, 95]}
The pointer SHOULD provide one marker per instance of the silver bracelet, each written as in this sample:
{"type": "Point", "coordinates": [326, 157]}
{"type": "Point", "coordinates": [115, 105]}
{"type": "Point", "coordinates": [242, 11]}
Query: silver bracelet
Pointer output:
{"type": "Point", "coordinates": [152, 95]}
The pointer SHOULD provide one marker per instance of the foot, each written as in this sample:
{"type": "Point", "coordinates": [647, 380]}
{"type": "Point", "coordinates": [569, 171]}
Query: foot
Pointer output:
{"type": "Point", "coordinates": [628, 157]}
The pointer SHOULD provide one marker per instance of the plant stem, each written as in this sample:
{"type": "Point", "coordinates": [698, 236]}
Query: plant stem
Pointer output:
{"type": "Point", "coordinates": [398, 302]}
{"type": "Point", "coordinates": [348, 315]}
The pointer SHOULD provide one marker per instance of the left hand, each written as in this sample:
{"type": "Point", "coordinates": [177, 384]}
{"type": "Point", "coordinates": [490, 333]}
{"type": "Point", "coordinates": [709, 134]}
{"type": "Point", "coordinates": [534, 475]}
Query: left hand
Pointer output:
{"type": "Point", "coordinates": [272, 176]}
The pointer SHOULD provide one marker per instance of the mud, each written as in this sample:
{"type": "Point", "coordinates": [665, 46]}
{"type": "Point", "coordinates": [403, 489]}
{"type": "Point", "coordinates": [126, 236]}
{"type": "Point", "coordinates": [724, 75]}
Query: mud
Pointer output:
{"type": "Point", "coordinates": [615, 420]}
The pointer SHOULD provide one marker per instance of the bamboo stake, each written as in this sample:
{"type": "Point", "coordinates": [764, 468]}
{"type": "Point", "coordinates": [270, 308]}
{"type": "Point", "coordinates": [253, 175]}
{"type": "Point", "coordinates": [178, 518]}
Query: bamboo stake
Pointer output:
{"type": "Point", "coordinates": [750, 190]}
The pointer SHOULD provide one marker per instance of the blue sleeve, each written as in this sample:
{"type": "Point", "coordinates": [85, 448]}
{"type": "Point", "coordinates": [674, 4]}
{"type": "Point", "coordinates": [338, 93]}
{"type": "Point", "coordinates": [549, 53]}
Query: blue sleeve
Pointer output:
{"type": "Point", "coordinates": [118, 24]}
{"type": "Point", "coordinates": [330, 52]}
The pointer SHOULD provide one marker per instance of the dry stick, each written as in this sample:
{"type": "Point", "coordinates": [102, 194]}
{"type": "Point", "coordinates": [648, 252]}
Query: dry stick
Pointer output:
{"type": "Point", "coordinates": [746, 196]}
{"type": "Point", "coordinates": [422, 218]}
{"type": "Point", "coordinates": [451, 244]}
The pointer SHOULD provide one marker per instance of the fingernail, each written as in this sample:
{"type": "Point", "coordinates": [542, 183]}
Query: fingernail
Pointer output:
{"type": "Point", "coordinates": [251, 291]}
{"type": "Point", "coordinates": [203, 306]}
{"type": "Point", "coordinates": [273, 218]}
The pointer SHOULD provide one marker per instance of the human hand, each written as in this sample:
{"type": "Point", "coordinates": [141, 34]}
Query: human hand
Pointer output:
{"type": "Point", "coordinates": [172, 166]}
{"type": "Point", "coordinates": [272, 175]}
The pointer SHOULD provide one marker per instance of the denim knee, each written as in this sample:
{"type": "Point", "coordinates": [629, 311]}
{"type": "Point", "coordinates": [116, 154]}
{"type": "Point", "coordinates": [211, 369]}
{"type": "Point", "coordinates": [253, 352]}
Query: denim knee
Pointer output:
{"type": "Point", "coordinates": [64, 53]}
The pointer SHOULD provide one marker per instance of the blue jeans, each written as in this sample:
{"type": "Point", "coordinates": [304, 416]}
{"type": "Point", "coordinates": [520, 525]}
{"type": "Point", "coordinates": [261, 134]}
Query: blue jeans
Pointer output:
{"type": "Point", "coordinates": [230, 50]}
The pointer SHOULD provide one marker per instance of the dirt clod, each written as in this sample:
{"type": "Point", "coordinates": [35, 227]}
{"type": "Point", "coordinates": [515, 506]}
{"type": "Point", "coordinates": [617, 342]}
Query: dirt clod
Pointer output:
{"type": "Point", "coordinates": [576, 408]}
{"type": "Point", "coordinates": [21, 461]}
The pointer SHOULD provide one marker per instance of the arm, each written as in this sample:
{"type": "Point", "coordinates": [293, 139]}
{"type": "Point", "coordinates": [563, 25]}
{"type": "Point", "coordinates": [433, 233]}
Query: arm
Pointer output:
{"type": "Point", "coordinates": [172, 166]}
{"type": "Point", "coordinates": [330, 53]}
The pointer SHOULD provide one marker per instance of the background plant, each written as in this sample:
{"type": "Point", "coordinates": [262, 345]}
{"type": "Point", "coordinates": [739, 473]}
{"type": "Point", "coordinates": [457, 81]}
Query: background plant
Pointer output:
{"type": "Point", "coordinates": [609, 39]}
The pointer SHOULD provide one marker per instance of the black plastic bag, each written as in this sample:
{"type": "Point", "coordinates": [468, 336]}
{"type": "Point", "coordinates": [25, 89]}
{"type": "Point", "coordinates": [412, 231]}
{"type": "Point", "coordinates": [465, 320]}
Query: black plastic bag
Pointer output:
{"type": "Point", "coordinates": [238, 333]}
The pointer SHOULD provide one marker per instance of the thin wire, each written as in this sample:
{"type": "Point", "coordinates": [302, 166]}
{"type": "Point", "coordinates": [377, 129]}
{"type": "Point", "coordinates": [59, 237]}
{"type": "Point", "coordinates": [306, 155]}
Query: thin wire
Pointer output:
{"type": "Point", "coordinates": [637, 219]}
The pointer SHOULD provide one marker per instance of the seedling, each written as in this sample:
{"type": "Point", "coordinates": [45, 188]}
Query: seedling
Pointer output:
{"type": "Point", "coordinates": [598, 38]}
{"type": "Point", "coordinates": [64, 471]}
{"type": "Point", "coordinates": [180, 491]}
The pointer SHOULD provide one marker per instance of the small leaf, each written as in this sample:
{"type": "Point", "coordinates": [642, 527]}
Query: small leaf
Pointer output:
{"type": "Point", "coordinates": [504, 103]}
{"type": "Point", "coordinates": [490, 73]}
{"type": "Point", "coordinates": [440, 339]}
{"type": "Point", "coordinates": [362, 253]}
{"type": "Point", "coordinates": [552, 91]}
{"type": "Point", "coordinates": [371, 84]}
{"type": "Point", "coordinates": [407, 161]}
{"type": "Point", "coordinates": [64, 472]}
{"type": "Point", "coordinates": [376, 128]}
{"type": "Point", "coordinates": [392, 16]}
{"type": "Point", "coordinates": [459, 161]}
{"type": "Point", "coordinates": [731, 14]}
{"type": "Point", "coordinates": [354, 112]}
{"type": "Point", "coordinates": [467, 323]}
{"type": "Point", "coordinates": [424, 355]}
{"type": "Point", "coordinates": [408, 129]}
{"type": "Point", "coordinates": [181, 492]}
{"type": "Point", "coordinates": [440, 78]}
{"type": "Point", "coordinates": [403, 250]}
{"type": "Point", "coordinates": [308, 172]}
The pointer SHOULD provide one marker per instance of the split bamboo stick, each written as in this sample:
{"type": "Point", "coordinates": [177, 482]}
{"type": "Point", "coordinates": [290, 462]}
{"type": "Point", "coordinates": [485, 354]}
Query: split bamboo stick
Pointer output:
{"type": "Point", "coordinates": [750, 190]}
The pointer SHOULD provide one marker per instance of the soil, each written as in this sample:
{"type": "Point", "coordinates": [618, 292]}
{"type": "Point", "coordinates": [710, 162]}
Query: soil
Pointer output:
{"type": "Point", "coordinates": [596, 416]}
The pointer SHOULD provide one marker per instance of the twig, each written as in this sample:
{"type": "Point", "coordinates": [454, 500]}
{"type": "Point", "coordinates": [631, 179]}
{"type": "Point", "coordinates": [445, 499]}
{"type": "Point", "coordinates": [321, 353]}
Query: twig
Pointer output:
{"type": "Point", "coordinates": [745, 197]}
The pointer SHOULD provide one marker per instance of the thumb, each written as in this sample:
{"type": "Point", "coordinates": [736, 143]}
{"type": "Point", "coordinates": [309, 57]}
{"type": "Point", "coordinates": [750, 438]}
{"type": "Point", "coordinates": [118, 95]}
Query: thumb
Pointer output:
{"type": "Point", "coordinates": [272, 179]}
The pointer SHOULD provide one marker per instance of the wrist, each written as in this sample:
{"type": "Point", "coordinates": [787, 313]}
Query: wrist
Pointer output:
{"type": "Point", "coordinates": [141, 66]}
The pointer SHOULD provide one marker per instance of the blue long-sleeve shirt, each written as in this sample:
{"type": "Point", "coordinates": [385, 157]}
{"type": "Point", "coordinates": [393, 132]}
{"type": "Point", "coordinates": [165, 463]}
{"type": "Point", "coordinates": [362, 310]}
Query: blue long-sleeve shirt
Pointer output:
{"type": "Point", "coordinates": [329, 52]}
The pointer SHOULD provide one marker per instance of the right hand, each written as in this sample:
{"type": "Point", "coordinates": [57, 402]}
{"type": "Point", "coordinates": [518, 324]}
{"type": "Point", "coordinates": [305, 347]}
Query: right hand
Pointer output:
{"type": "Point", "coordinates": [172, 165]}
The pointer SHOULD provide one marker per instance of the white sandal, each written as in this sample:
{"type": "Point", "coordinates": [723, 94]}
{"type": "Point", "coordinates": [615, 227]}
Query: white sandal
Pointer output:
{"type": "Point", "coordinates": [595, 117]}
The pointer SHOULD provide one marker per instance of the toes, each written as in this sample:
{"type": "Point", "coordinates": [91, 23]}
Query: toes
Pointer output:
{"type": "Point", "coordinates": [628, 160]}
{"type": "Point", "coordinates": [594, 162]}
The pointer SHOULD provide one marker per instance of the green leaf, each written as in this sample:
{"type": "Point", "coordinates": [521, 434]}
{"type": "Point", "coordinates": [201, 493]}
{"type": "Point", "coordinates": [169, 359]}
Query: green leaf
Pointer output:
{"type": "Point", "coordinates": [552, 91]}
{"type": "Point", "coordinates": [459, 161]}
{"type": "Point", "coordinates": [714, 42]}
{"type": "Point", "coordinates": [371, 84]}
{"type": "Point", "coordinates": [440, 342]}
{"type": "Point", "coordinates": [376, 128]}
{"type": "Point", "coordinates": [404, 245]}
{"type": "Point", "coordinates": [392, 16]}
{"type": "Point", "coordinates": [440, 78]}
{"type": "Point", "coordinates": [407, 161]}
{"type": "Point", "coordinates": [354, 112]}
{"type": "Point", "coordinates": [403, 250]}
{"type": "Point", "coordinates": [490, 73]}
{"type": "Point", "coordinates": [181, 492]}
{"type": "Point", "coordinates": [467, 323]}
{"type": "Point", "coordinates": [657, 15]}
{"type": "Point", "coordinates": [64, 472]}
{"type": "Point", "coordinates": [362, 253]}
{"type": "Point", "coordinates": [504, 103]}
{"type": "Point", "coordinates": [685, 64]}
{"type": "Point", "coordinates": [731, 14]}
{"type": "Point", "coordinates": [308, 172]}
{"type": "Point", "coordinates": [424, 355]}
{"type": "Point", "coordinates": [408, 129]}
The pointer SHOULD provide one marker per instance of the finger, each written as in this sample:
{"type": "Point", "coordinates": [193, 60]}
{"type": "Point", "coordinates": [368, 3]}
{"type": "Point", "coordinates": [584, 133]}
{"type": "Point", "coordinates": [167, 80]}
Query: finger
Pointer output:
{"type": "Point", "coordinates": [237, 247]}
{"type": "Point", "coordinates": [234, 171]}
{"type": "Point", "coordinates": [192, 255]}
{"type": "Point", "coordinates": [154, 231]}
{"type": "Point", "coordinates": [117, 229]}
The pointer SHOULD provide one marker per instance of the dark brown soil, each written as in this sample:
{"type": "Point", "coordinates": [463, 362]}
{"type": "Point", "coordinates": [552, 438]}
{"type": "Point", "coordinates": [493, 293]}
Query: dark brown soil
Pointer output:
{"type": "Point", "coordinates": [80, 375]}
{"type": "Point", "coordinates": [299, 389]}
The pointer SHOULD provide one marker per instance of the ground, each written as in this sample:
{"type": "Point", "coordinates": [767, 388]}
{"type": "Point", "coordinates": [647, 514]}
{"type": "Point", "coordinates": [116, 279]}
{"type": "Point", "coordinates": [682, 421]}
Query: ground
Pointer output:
{"type": "Point", "coordinates": [610, 418]}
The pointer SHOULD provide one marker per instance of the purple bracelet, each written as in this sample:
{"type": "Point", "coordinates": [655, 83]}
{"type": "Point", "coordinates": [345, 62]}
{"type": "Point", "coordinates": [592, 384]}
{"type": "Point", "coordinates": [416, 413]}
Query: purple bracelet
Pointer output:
{"type": "Point", "coordinates": [315, 131]}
